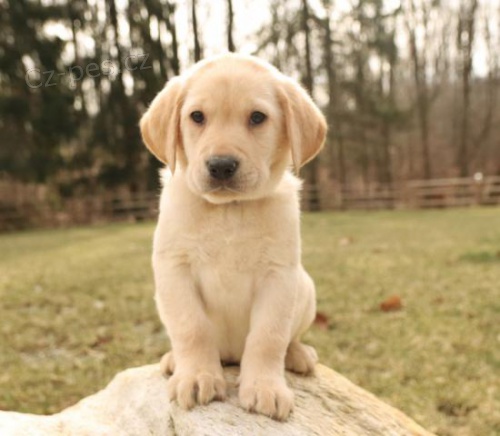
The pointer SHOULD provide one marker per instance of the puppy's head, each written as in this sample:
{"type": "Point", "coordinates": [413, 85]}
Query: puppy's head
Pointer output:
{"type": "Point", "coordinates": [232, 125]}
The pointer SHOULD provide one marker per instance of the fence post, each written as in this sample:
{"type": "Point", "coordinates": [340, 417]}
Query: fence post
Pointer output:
{"type": "Point", "coordinates": [478, 188]}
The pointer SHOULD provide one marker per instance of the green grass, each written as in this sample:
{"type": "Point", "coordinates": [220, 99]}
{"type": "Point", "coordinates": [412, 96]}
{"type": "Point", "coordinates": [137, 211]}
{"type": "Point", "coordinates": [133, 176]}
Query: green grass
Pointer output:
{"type": "Point", "coordinates": [76, 306]}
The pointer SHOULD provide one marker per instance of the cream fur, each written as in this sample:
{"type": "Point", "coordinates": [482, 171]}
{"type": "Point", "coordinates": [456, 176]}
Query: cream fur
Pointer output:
{"type": "Point", "coordinates": [230, 286]}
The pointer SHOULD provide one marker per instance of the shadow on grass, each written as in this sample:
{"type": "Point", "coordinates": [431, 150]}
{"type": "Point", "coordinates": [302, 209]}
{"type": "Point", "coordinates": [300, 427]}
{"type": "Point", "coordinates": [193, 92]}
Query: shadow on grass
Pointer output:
{"type": "Point", "coordinates": [481, 257]}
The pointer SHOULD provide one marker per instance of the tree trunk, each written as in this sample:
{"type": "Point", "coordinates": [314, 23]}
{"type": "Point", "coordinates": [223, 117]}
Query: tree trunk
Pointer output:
{"type": "Point", "coordinates": [230, 19]}
{"type": "Point", "coordinates": [465, 40]}
{"type": "Point", "coordinates": [197, 46]}
{"type": "Point", "coordinates": [113, 15]}
{"type": "Point", "coordinates": [161, 53]}
{"type": "Point", "coordinates": [170, 23]}
{"type": "Point", "coordinates": [311, 169]}
{"type": "Point", "coordinates": [73, 18]}
{"type": "Point", "coordinates": [388, 123]}
{"type": "Point", "coordinates": [422, 92]}
{"type": "Point", "coordinates": [334, 125]}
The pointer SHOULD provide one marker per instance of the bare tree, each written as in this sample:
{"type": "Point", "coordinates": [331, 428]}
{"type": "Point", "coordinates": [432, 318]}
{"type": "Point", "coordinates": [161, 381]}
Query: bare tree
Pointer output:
{"type": "Point", "coordinates": [113, 16]}
{"type": "Point", "coordinates": [230, 22]}
{"type": "Point", "coordinates": [75, 11]}
{"type": "Point", "coordinates": [479, 145]}
{"type": "Point", "coordinates": [389, 112]}
{"type": "Point", "coordinates": [307, 76]}
{"type": "Point", "coordinates": [338, 159]}
{"type": "Point", "coordinates": [198, 54]}
{"type": "Point", "coordinates": [311, 170]}
{"type": "Point", "coordinates": [419, 63]}
{"type": "Point", "coordinates": [172, 29]}
{"type": "Point", "coordinates": [465, 41]}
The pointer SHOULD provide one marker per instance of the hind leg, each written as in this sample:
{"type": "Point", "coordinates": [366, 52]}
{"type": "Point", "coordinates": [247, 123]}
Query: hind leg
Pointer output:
{"type": "Point", "coordinates": [167, 363]}
{"type": "Point", "coordinates": [300, 358]}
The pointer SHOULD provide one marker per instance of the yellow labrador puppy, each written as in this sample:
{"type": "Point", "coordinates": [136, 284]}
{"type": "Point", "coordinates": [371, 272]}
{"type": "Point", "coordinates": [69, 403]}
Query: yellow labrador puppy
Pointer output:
{"type": "Point", "coordinates": [230, 286]}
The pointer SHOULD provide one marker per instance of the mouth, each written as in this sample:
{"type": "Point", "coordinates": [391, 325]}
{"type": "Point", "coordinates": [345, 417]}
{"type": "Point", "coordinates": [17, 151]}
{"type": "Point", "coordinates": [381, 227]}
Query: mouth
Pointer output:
{"type": "Point", "coordinates": [223, 193]}
{"type": "Point", "coordinates": [223, 189]}
{"type": "Point", "coordinates": [243, 186]}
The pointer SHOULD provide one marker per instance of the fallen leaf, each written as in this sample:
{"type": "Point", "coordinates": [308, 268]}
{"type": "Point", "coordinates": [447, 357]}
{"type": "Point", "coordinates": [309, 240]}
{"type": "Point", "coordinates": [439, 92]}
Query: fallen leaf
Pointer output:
{"type": "Point", "coordinates": [392, 303]}
{"type": "Point", "coordinates": [322, 321]}
{"type": "Point", "coordinates": [101, 340]}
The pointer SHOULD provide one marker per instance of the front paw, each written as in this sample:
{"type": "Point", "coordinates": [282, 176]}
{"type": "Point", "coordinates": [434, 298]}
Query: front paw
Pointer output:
{"type": "Point", "coordinates": [196, 387]}
{"type": "Point", "coordinates": [270, 397]}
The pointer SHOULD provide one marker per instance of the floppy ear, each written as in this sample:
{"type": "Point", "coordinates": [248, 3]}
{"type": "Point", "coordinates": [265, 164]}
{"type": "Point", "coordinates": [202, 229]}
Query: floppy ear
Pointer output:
{"type": "Point", "coordinates": [305, 124]}
{"type": "Point", "coordinates": [160, 125]}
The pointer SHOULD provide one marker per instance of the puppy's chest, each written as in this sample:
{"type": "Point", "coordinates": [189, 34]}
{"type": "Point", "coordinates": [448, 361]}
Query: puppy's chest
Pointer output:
{"type": "Point", "coordinates": [231, 240]}
{"type": "Point", "coordinates": [231, 248]}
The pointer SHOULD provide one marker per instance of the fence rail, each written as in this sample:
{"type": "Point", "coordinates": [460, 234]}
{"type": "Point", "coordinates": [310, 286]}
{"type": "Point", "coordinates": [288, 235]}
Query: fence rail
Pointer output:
{"type": "Point", "coordinates": [416, 194]}
{"type": "Point", "coordinates": [76, 211]}
{"type": "Point", "coordinates": [21, 210]}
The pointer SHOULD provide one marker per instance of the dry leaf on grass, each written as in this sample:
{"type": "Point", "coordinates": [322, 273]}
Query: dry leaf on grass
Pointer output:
{"type": "Point", "coordinates": [391, 304]}
{"type": "Point", "coordinates": [322, 321]}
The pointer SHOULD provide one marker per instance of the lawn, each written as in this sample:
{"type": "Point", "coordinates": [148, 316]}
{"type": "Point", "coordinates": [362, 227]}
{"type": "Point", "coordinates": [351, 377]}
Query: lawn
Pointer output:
{"type": "Point", "coordinates": [76, 307]}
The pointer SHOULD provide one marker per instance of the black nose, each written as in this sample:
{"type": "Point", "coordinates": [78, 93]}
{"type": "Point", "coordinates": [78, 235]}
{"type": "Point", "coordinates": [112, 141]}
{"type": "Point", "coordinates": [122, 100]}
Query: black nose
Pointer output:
{"type": "Point", "coordinates": [222, 167]}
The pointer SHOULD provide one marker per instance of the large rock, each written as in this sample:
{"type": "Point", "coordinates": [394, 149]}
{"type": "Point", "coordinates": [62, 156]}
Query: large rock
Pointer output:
{"type": "Point", "coordinates": [135, 403]}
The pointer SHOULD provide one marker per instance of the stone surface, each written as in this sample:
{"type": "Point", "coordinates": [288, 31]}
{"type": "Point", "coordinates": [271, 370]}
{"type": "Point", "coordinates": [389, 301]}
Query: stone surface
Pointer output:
{"type": "Point", "coordinates": [135, 403]}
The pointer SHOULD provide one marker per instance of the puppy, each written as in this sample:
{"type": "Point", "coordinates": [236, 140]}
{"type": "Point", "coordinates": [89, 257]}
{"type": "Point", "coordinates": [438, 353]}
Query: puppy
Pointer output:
{"type": "Point", "coordinates": [230, 287]}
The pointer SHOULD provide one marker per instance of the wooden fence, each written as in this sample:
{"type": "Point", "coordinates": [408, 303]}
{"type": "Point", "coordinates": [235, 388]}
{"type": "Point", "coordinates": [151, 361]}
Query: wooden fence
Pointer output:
{"type": "Point", "coordinates": [79, 211]}
{"type": "Point", "coordinates": [21, 210]}
{"type": "Point", "coordinates": [418, 194]}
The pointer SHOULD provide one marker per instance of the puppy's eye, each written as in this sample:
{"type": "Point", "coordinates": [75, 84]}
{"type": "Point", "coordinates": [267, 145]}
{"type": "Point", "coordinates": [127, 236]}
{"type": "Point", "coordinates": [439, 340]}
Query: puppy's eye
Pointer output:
{"type": "Point", "coordinates": [257, 118]}
{"type": "Point", "coordinates": [197, 117]}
